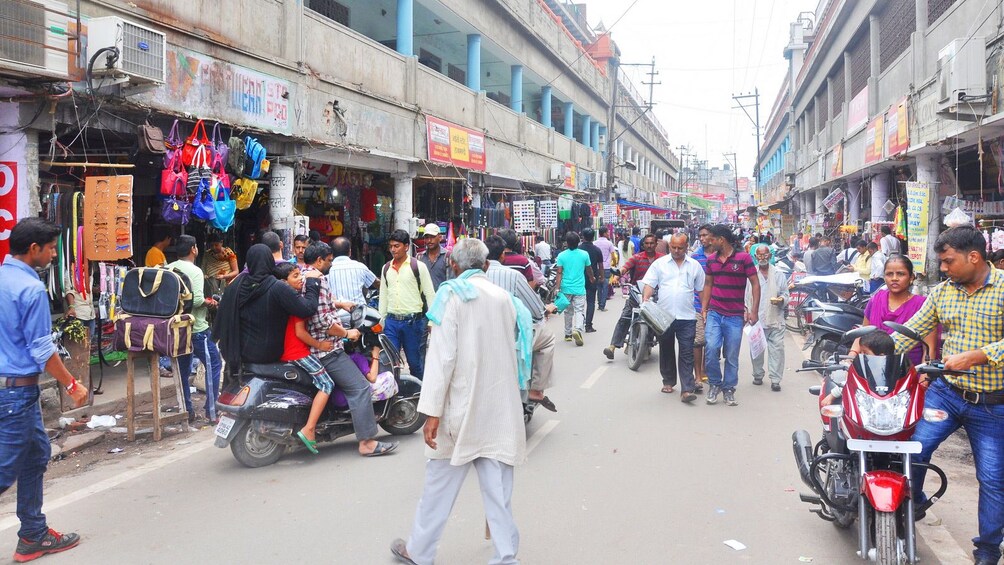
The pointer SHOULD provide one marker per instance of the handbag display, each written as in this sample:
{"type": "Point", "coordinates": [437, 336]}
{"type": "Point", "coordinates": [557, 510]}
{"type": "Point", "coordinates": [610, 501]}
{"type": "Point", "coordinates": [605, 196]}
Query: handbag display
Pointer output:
{"type": "Point", "coordinates": [235, 158]}
{"type": "Point", "coordinates": [225, 209]}
{"type": "Point", "coordinates": [173, 176]}
{"type": "Point", "coordinates": [156, 292]}
{"type": "Point", "coordinates": [244, 192]}
{"type": "Point", "coordinates": [150, 139]}
{"type": "Point", "coordinates": [219, 179]}
{"type": "Point", "coordinates": [171, 336]}
{"type": "Point", "coordinates": [195, 152]}
{"type": "Point", "coordinates": [203, 205]}
{"type": "Point", "coordinates": [221, 151]}
{"type": "Point", "coordinates": [174, 143]}
{"type": "Point", "coordinates": [196, 176]}
{"type": "Point", "coordinates": [256, 156]}
{"type": "Point", "coordinates": [175, 211]}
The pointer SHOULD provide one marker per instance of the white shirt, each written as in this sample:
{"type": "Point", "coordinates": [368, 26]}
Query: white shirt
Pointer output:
{"type": "Point", "coordinates": [347, 278]}
{"type": "Point", "coordinates": [889, 245]}
{"type": "Point", "coordinates": [543, 251]}
{"type": "Point", "coordinates": [676, 284]}
{"type": "Point", "coordinates": [878, 265]}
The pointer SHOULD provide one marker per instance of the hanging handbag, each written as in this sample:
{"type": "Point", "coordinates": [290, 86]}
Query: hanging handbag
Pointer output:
{"type": "Point", "coordinates": [175, 211]}
{"type": "Point", "coordinates": [196, 150]}
{"type": "Point", "coordinates": [150, 139]}
{"type": "Point", "coordinates": [195, 177]}
{"type": "Point", "coordinates": [235, 157]}
{"type": "Point", "coordinates": [220, 179]}
{"type": "Point", "coordinates": [172, 176]}
{"type": "Point", "coordinates": [174, 143]}
{"type": "Point", "coordinates": [225, 210]}
{"type": "Point", "coordinates": [221, 151]}
{"type": "Point", "coordinates": [203, 206]}
{"type": "Point", "coordinates": [244, 192]}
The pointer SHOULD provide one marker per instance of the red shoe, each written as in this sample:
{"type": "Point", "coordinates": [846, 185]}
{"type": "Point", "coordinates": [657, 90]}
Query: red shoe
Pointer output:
{"type": "Point", "coordinates": [51, 542]}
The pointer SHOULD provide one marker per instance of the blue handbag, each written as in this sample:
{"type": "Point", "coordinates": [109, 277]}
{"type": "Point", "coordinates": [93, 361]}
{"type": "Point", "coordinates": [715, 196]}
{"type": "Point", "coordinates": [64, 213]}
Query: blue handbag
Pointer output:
{"type": "Point", "coordinates": [225, 210]}
{"type": "Point", "coordinates": [203, 206]}
{"type": "Point", "coordinates": [561, 302]}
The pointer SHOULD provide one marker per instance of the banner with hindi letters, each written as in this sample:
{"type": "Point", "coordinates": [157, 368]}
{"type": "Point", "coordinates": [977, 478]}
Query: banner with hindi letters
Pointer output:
{"type": "Point", "coordinates": [451, 144]}
{"type": "Point", "coordinates": [918, 210]}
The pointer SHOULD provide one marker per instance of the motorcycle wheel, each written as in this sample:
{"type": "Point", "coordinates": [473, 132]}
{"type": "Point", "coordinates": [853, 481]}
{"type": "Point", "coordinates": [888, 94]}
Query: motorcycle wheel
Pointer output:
{"type": "Point", "coordinates": [638, 342]}
{"type": "Point", "coordinates": [404, 419]}
{"type": "Point", "coordinates": [823, 349]}
{"type": "Point", "coordinates": [886, 541]}
{"type": "Point", "coordinates": [254, 450]}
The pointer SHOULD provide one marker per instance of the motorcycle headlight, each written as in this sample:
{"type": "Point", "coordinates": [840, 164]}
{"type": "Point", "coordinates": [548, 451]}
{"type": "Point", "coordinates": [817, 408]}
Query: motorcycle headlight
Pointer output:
{"type": "Point", "coordinates": [884, 417]}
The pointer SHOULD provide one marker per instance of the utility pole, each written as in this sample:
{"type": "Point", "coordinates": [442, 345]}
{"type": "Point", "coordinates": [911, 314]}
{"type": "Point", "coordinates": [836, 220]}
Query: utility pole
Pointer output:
{"type": "Point", "coordinates": [652, 73]}
{"type": "Point", "coordinates": [611, 138]}
{"type": "Point", "coordinates": [741, 100]}
{"type": "Point", "coordinates": [735, 170]}
{"type": "Point", "coordinates": [611, 125]}
{"type": "Point", "coordinates": [684, 152]}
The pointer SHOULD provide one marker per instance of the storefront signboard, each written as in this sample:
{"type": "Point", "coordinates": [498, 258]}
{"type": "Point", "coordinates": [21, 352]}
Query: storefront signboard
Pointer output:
{"type": "Point", "coordinates": [874, 136]}
{"type": "Point", "coordinates": [8, 204]}
{"type": "Point", "coordinates": [857, 112]}
{"type": "Point", "coordinates": [918, 209]}
{"type": "Point", "coordinates": [833, 199]}
{"type": "Point", "coordinates": [451, 144]}
{"type": "Point", "coordinates": [838, 161]}
{"type": "Point", "coordinates": [897, 129]}
{"type": "Point", "coordinates": [206, 87]}
{"type": "Point", "coordinates": [280, 195]}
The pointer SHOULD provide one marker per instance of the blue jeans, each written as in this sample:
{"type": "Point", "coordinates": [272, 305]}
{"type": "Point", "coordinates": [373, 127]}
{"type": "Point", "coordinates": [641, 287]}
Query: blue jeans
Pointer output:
{"type": "Point", "coordinates": [205, 349]}
{"type": "Point", "coordinates": [984, 424]}
{"type": "Point", "coordinates": [24, 455]}
{"type": "Point", "coordinates": [723, 332]}
{"type": "Point", "coordinates": [409, 334]}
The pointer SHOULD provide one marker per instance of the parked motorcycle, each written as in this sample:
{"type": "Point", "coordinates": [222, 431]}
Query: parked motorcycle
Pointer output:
{"type": "Point", "coordinates": [830, 321]}
{"type": "Point", "coordinates": [547, 290]}
{"type": "Point", "coordinates": [807, 292]}
{"type": "Point", "coordinates": [641, 337]}
{"type": "Point", "coordinates": [861, 468]}
{"type": "Point", "coordinates": [261, 412]}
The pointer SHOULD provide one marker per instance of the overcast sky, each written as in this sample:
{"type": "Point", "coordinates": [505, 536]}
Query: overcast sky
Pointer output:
{"type": "Point", "coordinates": [705, 51]}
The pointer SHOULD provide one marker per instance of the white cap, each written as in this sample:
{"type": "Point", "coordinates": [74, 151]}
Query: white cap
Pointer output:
{"type": "Point", "coordinates": [431, 230]}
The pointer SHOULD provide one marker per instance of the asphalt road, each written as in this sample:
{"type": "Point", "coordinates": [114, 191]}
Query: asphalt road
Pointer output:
{"type": "Point", "coordinates": [620, 474]}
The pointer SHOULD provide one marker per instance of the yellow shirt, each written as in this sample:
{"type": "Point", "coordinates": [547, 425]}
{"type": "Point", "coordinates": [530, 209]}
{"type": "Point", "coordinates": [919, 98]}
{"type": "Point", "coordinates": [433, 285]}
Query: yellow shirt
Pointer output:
{"type": "Point", "coordinates": [155, 257]}
{"type": "Point", "coordinates": [400, 293]}
{"type": "Point", "coordinates": [863, 265]}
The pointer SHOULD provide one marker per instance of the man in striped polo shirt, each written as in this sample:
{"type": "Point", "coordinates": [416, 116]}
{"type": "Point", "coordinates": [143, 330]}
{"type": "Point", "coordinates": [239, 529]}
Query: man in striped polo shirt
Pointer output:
{"type": "Point", "coordinates": [723, 309]}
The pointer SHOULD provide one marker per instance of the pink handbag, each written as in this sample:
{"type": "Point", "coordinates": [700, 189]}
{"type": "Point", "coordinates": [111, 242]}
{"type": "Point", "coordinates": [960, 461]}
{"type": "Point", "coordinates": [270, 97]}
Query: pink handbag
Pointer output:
{"type": "Point", "coordinates": [174, 178]}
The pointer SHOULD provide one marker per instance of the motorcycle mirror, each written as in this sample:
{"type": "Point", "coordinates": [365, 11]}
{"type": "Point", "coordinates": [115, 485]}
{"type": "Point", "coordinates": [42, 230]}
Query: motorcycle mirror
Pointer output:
{"type": "Point", "coordinates": [903, 330]}
{"type": "Point", "coordinates": [357, 314]}
{"type": "Point", "coordinates": [815, 389]}
{"type": "Point", "coordinates": [852, 335]}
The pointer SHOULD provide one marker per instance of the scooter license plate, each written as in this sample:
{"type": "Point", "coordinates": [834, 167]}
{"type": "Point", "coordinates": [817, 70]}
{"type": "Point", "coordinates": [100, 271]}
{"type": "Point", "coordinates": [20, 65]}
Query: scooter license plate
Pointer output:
{"type": "Point", "coordinates": [224, 426]}
{"type": "Point", "coordinates": [883, 446]}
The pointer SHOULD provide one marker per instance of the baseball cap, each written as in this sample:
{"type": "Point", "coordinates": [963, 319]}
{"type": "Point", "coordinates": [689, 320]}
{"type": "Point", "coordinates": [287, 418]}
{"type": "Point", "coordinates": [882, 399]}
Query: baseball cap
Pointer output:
{"type": "Point", "coordinates": [431, 230]}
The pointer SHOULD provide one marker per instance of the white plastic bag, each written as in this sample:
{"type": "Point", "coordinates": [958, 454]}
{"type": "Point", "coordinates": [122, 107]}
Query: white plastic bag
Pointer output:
{"type": "Point", "coordinates": [757, 339]}
{"type": "Point", "coordinates": [957, 218]}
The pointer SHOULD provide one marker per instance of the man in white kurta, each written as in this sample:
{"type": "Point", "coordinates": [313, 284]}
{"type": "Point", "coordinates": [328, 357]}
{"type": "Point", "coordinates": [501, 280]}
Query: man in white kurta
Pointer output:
{"type": "Point", "coordinates": [470, 395]}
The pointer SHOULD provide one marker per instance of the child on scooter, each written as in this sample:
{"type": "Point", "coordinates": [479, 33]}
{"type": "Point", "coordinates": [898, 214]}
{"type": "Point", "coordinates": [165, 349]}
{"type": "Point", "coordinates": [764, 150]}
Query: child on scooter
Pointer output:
{"type": "Point", "coordinates": [380, 376]}
{"type": "Point", "coordinates": [296, 351]}
{"type": "Point", "coordinates": [875, 343]}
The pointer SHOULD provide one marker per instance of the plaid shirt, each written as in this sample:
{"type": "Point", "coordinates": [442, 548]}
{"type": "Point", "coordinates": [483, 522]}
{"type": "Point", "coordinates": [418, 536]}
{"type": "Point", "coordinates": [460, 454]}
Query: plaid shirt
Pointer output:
{"type": "Point", "coordinates": [324, 318]}
{"type": "Point", "coordinates": [638, 265]}
{"type": "Point", "coordinates": [969, 321]}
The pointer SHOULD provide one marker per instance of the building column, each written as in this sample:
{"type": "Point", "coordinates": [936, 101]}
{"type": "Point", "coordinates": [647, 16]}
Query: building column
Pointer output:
{"type": "Point", "coordinates": [587, 127]}
{"type": "Point", "coordinates": [516, 89]}
{"type": "Point", "coordinates": [545, 106]}
{"type": "Point", "coordinates": [880, 193]}
{"type": "Point", "coordinates": [405, 27]}
{"type": "Point", "coordinates": [927, 171]}
{"type": "Point", "coordinates": [569, 120]}
{"type": "Point", "coordinates": [594, 136]}
{"type": "Point", "coordinates": [404, 196]}
{"type": "Point", "coordinates": [474, 62]}
{"type": "Point", "coordinates": [854, 200]}
{"type": "Point", "coordinates": [820, 196]}
{"type": "Point", "coordinates": [874, 45]}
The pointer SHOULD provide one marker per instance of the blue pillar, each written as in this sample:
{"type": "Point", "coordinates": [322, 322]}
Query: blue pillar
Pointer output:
{"type": "Point", "coordinates": [587, 126]}
{"type": "Point", "coordinates": [474, 62]}
{"type": "Point", "coordinates": [595, 136]}
{"type": "Point", "coordinates": [606, 145]}
{"type": "Point", "coordinates": [545, 106]}
{"type": "Point", "coordinates": [516, 89]}
{"type": "Point", "coordinates": [405, 27]}
{"type": "Point", "coordinates": [569, 120]}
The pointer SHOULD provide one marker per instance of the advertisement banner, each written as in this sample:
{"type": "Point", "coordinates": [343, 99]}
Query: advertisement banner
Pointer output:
{"type": "Point", "coordinates": [838, 161]}
{"type": "Point", "coordinates": [918, 209]}
{"type": "Point", "coordinates": [451, 144]}
{"type": "Point", "coordinates": [572, 178]}
{"type": "Point", "coordinates": [8, 204]}
{"type": "Point", "coordinates": [897, 129]}
{"type": "Point", "coordinates": [857, 111]}
{"type": "Point", "coordinates": [280, 196]}
{"type": "Point", "coordinates": [833, 199]}
{"type": "Point", "coordinates": [873, 140]}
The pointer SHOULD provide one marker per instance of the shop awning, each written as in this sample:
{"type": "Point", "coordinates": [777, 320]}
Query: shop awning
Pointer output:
{"type": "Point", "coordinates": [493, 181]}
{"type": "Point", "coordinates": [629, 205]}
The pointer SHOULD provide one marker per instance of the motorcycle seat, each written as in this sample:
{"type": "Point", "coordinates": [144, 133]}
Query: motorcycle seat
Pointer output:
{"type": "Point", "coordinates": [279, 371]}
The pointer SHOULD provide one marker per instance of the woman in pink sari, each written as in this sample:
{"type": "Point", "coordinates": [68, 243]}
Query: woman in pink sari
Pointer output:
{"type": "Point", "coordinates": [897, 304]}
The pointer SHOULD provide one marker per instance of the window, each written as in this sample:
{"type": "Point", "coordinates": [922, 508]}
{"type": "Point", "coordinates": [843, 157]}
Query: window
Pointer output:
{"type": "Point", "coordinates": [896, 24]}
{"type": "Point", "coordinates": [838, 90]}
{"type": "Point", "coordinates": [456, 73]}
{"type": "Point", "coordinates": [937, 7]}
{"type": "Point", "coordinates": [430, 60]}
{"type": "Point", "coordinates": [860, 50]}
{"type": "Point", "coordinates": [330, 9]}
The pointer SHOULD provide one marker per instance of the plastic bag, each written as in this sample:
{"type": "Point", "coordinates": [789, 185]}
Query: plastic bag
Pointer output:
{"type": "Point", "coordinates": [957, 218]}
{"type": "Point", "coordinates": [757, 339]}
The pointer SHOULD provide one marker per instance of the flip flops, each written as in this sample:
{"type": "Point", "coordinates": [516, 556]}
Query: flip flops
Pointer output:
{"type": "Point", "coordinates": [382, 448]}
{"type": "Point", "coordinates": [309, 443]}
{"type": "Point", "coordinates": [545, 403]}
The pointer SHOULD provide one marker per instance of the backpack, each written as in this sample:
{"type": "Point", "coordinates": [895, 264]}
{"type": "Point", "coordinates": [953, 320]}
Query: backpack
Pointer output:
{"type": "Point", "coordinates": [414, 271]}
{"type": "Point", "coordinates": [235, 157]}
{"type": "Point", "coordinates": [255, 155]}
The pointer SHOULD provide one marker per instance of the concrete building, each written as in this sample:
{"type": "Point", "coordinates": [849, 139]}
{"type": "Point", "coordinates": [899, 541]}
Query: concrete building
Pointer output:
{"type": "Point", "coordinates": [881, 93]}
{"type": "Point", "coordinates": [520, 88]}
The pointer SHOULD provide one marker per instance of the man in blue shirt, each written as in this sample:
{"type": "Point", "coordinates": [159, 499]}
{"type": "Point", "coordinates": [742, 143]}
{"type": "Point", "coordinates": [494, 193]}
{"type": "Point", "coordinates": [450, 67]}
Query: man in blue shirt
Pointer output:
{"type": "Point", "coordinates": [636, 239]}
{"type": "Point", "coordinates": [26, 350]}
{"type": "Point", "coordinates": [574, 269]}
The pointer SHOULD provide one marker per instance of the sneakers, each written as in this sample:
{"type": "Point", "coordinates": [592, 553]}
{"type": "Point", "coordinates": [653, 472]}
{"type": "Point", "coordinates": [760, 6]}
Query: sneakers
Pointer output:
{"type": "Point", "coordinates": [568, 338]}
{"type": "Point", "coordinates": [730, 397]}
{"type": "Point", "coordinates": [758, 381]}
{"type": "Point", "coordinates": [577, 337]}
{"type": "Point", "coordinates": [712, 394]}
{"type": "Point", "coordinates": [776, 387]}
{"type": "Point", "coordinates": [51, 542]}
{"type": "Point", "coordinates": [590, 330]}
{"type": "Point", "coordinates": [609, 351]}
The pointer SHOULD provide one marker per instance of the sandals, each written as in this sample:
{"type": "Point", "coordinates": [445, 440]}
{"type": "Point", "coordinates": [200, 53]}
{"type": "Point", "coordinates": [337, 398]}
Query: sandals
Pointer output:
{"type": "Point", "coordinates": [400, 550]}
{"type": "Point", "coordinates": [382, 448]}
{"type": "Point", "coordinates": [667, 389]}
{"type": "Point", "coordinates": [307, 442]}
{"type": "Point", "coordinates": [546, 403]}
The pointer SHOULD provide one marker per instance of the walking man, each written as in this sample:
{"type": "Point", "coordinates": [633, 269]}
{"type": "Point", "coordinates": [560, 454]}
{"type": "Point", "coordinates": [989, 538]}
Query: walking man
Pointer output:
{"type": "Point", "coordinates": [542, 250]}
{"type": "Point", "coordinates": [722, 305]}
{"type": "Point", "coordinates": [596, 287]}
{"type": "Point", "coordinates": [968, 309]}
{"type": "Point", "coordinates": [471, 393]}
{"type": "Point", "coordinates": [700, 377]}
{"type": "Point", "coordinates": [608, 250]}
{"type": "Point", "coordinates": [26, 350]}
{"type": "Point", "coordinates": [435, 260]}
{"type": "Point", "coordinates": [677, 277]}
{"type": "Point", "coordinates": [203, 345]}
{"type": "Point", "coordinates": [634, 270]}
{"type": "Point", "coordinates": [300, 244]}
{"type": "Point", "coordinates": [890, 244]}
{"type": "Point", "coordinates": [405, 294]}
{"type": "Point", "coordinates": [773, 301]}
{"type": "Point", "coordinates": [574, 269]}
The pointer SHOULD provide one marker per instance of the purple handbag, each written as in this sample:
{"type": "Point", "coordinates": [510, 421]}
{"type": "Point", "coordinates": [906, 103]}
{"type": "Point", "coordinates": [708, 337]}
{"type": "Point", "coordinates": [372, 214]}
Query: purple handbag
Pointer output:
{"type": "Point", "coordinates": [167, 336]}
{"type": "Point", "coordinates": [176, 211]}
{"type": "Point", "coordinates": [221, 151]}
{"type": "Point", "coordinates": [173, 142]}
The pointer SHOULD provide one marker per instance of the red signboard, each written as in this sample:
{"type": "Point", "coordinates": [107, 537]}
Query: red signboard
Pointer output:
{"type": "Point", "coordinates": [451, 144]}
{"type": "Point", "coordinates": [8, 204]}
{"type": "Point", "coordinates": [897, 129]}
{"type": "Point", "coordinates": [874, 136]}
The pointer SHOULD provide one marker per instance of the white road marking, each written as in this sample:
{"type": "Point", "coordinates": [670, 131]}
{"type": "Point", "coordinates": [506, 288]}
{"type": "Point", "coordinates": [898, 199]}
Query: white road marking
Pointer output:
{"type": "Point", "coordinates": [115, 481]}
{"type": "Point", "coordinates": [538, 436]}
{"type": "Point", "coordinates": [595, 376]}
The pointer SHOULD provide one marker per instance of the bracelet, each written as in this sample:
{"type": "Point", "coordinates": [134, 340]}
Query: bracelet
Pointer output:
{"type": "Point", "coordinates": [71, 387]}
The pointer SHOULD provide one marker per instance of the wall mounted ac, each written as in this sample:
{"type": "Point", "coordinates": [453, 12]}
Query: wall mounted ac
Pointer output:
{"type": "Point", "coordinates": [962, 73]}
{"type": "Point", "coordinates": [141, 50]}
{"type": "Point", "coordinates": [33, 39]}
{"type": "Point", "coordinates": [558, 173]}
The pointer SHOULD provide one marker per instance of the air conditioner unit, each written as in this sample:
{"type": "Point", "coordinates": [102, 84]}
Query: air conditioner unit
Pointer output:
{"type": "Point", "coordinates": [559, 172]}
{"type": "Point", "coordinates": [33, 39]}
{"type": "Point", "coordinates": [141, 50]}
{"type": "Point", "coordinates": [961, 73]}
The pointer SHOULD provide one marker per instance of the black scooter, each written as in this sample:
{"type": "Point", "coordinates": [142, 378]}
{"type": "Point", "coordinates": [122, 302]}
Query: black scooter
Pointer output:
{"type": "Point", "coordinates": [261, 412]}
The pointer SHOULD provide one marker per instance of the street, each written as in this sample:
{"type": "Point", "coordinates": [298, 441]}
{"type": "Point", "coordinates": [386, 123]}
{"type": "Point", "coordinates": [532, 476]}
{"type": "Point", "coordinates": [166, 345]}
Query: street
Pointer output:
{"type": "Point", "coordinates": [620, 474]}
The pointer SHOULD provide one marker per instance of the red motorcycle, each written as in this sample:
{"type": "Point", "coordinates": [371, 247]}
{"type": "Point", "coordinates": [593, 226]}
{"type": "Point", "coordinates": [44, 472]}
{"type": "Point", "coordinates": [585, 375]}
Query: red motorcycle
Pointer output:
{"type": "Point", "coordinates": [861, 468]}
